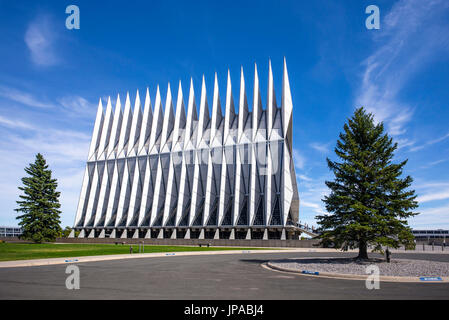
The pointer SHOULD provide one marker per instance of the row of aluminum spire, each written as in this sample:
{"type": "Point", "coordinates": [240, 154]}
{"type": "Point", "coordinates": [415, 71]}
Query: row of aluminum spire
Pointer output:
{"type": "Point", "coordinates": [151, 169]}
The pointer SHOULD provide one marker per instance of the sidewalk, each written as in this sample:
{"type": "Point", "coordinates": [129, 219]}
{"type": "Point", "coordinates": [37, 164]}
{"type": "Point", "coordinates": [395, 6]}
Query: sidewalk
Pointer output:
{"type": "Point", "coordinates": [69, 260]}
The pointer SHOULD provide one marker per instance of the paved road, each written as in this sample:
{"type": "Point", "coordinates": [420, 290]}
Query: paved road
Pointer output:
{"type": "Point", "coordinates": [238, 276]}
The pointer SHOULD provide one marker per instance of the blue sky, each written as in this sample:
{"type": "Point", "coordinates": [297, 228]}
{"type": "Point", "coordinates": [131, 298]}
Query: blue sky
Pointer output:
{"type": "Point", "coordinates": [51, 79]}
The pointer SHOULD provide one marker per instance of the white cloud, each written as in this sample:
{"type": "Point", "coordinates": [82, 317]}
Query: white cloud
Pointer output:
{"type": "Point", "coordinates": [311, 193]}
{"type": "Point", "coordinates": [321, 147]}
{"type": "Point", "coordinates": [78, 106]}
{"type": "Point", "coordinates": [429, 143]}
{"type": "Point", "coordinates": [433, 195]}
{"type": "Point", "coordinates": [22, 97]}
{"type": "Point", "coordinates": [408, 40]}
{"type": "Point", "coordinates": [71, 105]}
{"type": "Point", "coordinates": [431, 191]}
{"type": "Point", "coordinates": [40, 37]}
{"type": "Point", "coordinates": [298, 159]}
{"type": "Point", "coordinates": [434, 163]}
{"type": "Point", "coordinates": [12, 123]}
{"type": "Point", "coordinates": [404, 142]}
{"type": "Point", "coordinates": [434, 217]}
{"type": "Point", "coordinates": [317, 208]}
{"type": "Point", "coordinates": [430, 185]}
{"type": "Point", "coordinates": [303, 177]}
{"type": "Point", "coordinates": [60, 147]}
{"type": "Point", "coordinates": [439, 139]}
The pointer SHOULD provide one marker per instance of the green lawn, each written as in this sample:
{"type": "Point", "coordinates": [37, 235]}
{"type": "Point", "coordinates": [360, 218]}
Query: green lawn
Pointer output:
{"type": "Point", "coordinates": [24, 251]}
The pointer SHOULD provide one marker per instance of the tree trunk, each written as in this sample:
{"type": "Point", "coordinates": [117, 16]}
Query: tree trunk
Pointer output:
{"type": "Point", "coordinates": [363, 251]}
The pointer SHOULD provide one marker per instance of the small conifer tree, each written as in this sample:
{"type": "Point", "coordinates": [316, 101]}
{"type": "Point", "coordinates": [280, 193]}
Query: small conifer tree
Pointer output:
{"type": "Point", "coordinates": [39, 204]}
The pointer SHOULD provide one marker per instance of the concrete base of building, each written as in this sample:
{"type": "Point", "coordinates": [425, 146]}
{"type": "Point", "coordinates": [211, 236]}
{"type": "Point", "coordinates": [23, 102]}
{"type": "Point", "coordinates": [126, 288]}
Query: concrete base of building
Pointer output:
{"type": "Point", "coordinates": [195, 242]}
{"type": "Point", "coordinates": [242, 233]}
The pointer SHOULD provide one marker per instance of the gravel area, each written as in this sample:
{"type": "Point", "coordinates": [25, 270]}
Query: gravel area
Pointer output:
{"type": "Point", "coordinates": [397, 267]}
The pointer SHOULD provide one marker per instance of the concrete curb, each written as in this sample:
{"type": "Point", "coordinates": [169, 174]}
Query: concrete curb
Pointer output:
{"type": "Point", "coordinates": [343, 276]}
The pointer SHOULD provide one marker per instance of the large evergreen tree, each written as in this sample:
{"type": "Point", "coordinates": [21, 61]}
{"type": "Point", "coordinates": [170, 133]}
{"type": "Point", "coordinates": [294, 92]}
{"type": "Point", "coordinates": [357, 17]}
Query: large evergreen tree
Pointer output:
{"type": "Point", "coordinates": [39, 204]}
{"type": "Point", "coordinates": [369, 202]}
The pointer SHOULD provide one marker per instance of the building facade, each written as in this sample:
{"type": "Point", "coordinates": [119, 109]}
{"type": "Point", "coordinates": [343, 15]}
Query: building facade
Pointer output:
{"type": "Point", "coordinates": [10, 231]}
{"type": "Point", "coordinates": [176, 173]}
{"type": "Point", "coordinates": [430, 234]}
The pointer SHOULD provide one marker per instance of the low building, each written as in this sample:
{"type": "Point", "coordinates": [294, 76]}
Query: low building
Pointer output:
{"type": "Point", "coordinates": [10, 232]}
{"type": "Point", "coordinates": [430, 234]}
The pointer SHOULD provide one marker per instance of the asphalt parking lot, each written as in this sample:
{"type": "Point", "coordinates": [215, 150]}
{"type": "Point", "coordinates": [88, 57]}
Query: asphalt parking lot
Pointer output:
{"type": "Point", "coordinates": [235, 276]}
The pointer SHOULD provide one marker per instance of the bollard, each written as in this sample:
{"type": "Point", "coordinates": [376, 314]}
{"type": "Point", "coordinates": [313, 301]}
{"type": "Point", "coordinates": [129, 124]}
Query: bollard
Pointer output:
{"type": "Point", "coordinates": [433, 246]}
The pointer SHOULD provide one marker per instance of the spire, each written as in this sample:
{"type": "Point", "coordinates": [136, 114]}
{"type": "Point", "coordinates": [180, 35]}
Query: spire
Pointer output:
{"type": "Point", "coordinates": [229, 110]}
{"type": "Point", "coordinates": [115, 130]}
{"type": "Point", "coordinates": [243, 107]}
{"type": "Point", "coordinates": [135, 127]}
{"type": "Point", "coordinates": [271, 101]}
{"type": "Point", "coordinates": [156, 126]}
{"type": "Point", "coordinates": [287, 107]}
{"type": "Point", "coordinates": [125, 129]}
{"type": "Point", "coordinates": [146, 124]}
{"type": "Point", "coordinates": [216, 116]}
{"type": "Point", "coordinates": [204, 114]}
{"type": "Point", "coordinates": [180, 121]}
{"type": "Point", "coordinates": [257, 104]}
{"type": "Point", "coordinates": [97, 130]}
{"type": "Point", "coordinates": [190, 137]}
{"type": "Point", "coordinates": [106, 131]}
{"type": "Point", "coordinates": [168, 123]}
